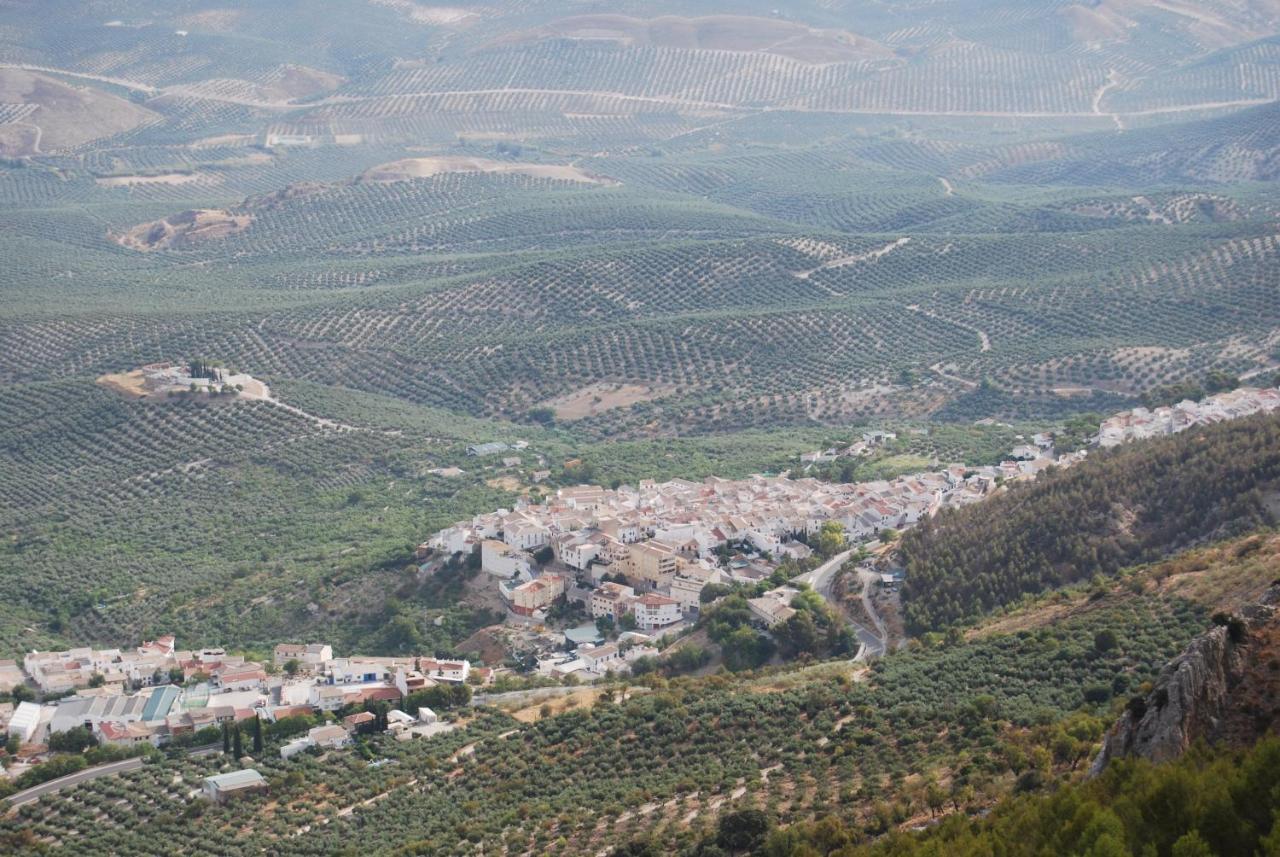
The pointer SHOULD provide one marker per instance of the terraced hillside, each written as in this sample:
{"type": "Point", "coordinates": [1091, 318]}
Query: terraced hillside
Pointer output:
{"type": "Point", "coordinates": [741, 226]}
{"type": "Point", "coordinates": [660, 762]}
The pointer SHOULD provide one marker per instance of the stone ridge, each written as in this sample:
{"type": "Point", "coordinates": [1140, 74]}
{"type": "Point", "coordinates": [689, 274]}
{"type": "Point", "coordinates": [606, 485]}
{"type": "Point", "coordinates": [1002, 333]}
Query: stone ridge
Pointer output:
{"type": "Point", "coordinates": [1195, 693]}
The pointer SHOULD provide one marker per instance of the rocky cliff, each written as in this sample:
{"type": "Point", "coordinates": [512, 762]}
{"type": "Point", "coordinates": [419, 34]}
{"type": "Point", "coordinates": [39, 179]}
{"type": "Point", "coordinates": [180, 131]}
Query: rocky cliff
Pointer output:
{"type": "Point", "coordinates": [1221, 688]}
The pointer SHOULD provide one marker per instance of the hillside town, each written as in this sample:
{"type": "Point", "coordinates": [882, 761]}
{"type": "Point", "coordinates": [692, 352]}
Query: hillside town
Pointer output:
{"type": "Point", "coordinates": [156, 693]}
{"type": "Point", "coordinates": [648, 552]}
{"type": "Point", "coordinates": [638, 560]}
{"type": "Point", "coordinates": [1142, 423]}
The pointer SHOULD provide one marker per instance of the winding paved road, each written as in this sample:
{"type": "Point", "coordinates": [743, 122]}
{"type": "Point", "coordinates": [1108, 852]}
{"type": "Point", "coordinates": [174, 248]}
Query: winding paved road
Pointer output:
{"type": "Point", "coordinates": [821, 580]}
{"type": "Point", "coordinates": [36, 792]}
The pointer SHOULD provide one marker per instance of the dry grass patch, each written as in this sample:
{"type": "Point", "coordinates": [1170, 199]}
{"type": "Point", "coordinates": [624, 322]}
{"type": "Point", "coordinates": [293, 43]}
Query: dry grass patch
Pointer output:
{"type": "Point", "coordinates": [716, 33]}
{"type": "Point", "coordinates": [419, 168]}
{"type": "Point", "coordinates": [65, 116]}
{"type": "Point", "coordinates": [583, 698]}
{"type": "Point", "coordinates": [1222, 577]}
{"type": "Point", "coordinates": [505, 483]}
{"type": "Point", "coordinates": [130, 384]}
{"type": "Point", "coordinates": [597, 398]}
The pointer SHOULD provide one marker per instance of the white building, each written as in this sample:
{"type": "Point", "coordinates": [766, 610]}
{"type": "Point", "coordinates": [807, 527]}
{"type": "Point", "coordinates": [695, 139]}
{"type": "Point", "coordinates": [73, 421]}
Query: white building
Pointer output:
{"type": "Point", "coordinates": [331, 737]}
{"type": "Point", "coordinates": [25, 721]}
{"type": "Point", "coordinates": [525, 534]}
{"type": "Point", "coordinates": [655, 611]}
{"type": "Point", "coordinates": [296, 746]}
{"type": "Point", "coordinates": [502, 560]}
{"type": "Point", "coordinates": [442, 670]}
{"type": "Point", "coordinates": [223, 787]}
{"type": "Point", "coordinates": [601, 658]}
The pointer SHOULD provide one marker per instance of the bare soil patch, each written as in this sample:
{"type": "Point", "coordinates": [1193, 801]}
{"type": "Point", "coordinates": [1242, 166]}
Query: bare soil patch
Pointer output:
{"type": "Point", "coordinates": [127, 383]}
{"type": "Point", "coordinates": [437, 16]}
{"type": "Point", "coordinates": [162, 179]}
{"type": "Point", "coordinates": [299, 81]}
{"type": "Point", "coordinates": [487, 643]}
{"type": "Point", "coordinates": [184, 230]}
{"type": "Point", "coordinates": [598, 398]}
{"type": "Point", "coordinates": [211, 20]}
{"type": "Point", "coordinates": [714, 32]}
{"type": "Point", "coordinates": [417, 168]}
{"type": "Point", "coordinates": [504, 483]}
{"type": "Point", "coordinates": [65, 116]}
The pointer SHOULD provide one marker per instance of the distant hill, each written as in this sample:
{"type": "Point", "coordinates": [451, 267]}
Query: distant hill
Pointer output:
{"type": "Point", "coordinates": [1237, 147]}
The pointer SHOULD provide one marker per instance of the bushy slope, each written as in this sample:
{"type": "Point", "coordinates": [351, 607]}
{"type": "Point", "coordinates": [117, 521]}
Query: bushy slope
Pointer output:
{"type": "Point", "coordinates": [677, 755]}
{"type": "Point", "coordinates": [1209, 803]}
{"type": "Point", "coordinates": [1130, 504]}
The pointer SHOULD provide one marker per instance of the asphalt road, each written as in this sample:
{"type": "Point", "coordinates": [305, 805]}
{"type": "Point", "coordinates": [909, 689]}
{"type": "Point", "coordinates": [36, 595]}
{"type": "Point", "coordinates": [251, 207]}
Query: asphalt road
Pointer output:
{"type": "Point", "coordinates": [35, 792]}
{"type": "Point", "coordinates": [821, 579]}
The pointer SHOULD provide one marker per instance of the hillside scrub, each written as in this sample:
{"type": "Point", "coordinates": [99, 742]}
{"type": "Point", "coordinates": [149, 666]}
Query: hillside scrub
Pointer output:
{"type": "Point", "coordinates": [1131, 504]}
{"type": "Point", "coordinates": [1210, 802]}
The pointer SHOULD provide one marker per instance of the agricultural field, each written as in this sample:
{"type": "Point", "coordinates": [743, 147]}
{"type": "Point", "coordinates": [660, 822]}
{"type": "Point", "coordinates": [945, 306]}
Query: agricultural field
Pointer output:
{"type": "Point", "coordinates": [663, 764]}
{"type": "Point", "coordinates": [656, 240]}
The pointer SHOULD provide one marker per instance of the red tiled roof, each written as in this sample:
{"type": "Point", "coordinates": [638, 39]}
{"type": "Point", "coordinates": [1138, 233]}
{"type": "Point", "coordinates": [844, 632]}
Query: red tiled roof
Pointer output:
{"type": "Point", "coordinates": [292, 711]}
{"type": "Point", "coordinates": [112, 731]}
{"type": "Point", "coordinates": [652, 600]}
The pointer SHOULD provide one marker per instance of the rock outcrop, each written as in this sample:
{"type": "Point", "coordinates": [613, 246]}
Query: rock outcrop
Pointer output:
{"type": "Point", "coordinates": [1200, 692]}
{"type": "Point", "coordinates": [183, 230]}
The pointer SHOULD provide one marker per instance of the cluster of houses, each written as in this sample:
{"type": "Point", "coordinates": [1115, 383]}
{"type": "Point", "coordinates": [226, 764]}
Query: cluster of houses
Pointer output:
{"type": "Point", "coordinates": [590, 657]}
{"type": "Point", "coordinates": [336, 736]}
{"type": "Point", "coordinates": [1142, 423]}
{"type": "Point", "coordinates": [649, 533]}
{"type": "Point", "coordinates": [865, 446]}
{"type": "Point", "coordinates": [661, 542]}
{"type": "Point", "coordinates": [152, 693]}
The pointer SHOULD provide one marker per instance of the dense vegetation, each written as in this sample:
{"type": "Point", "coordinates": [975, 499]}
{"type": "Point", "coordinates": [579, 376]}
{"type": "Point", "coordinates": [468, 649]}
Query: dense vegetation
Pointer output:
{"type": "Point", "coordinates": [985, 714]}
{"type": "Point", "coordinates": [1210, 802]}
{"type": "Point", "coordinates": [1122, 506]}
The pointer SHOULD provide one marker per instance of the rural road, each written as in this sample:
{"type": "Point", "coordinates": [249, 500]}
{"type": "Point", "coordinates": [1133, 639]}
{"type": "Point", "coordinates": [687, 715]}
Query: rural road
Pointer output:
{"type": "Point", "coordinates": [820, 580]}
{"type": "Point", "coordinates": [36, 792]}
{"type": "Point", "coordinates": [674, 101]}
{"type": "Point", "coordinates": [868, 579]}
